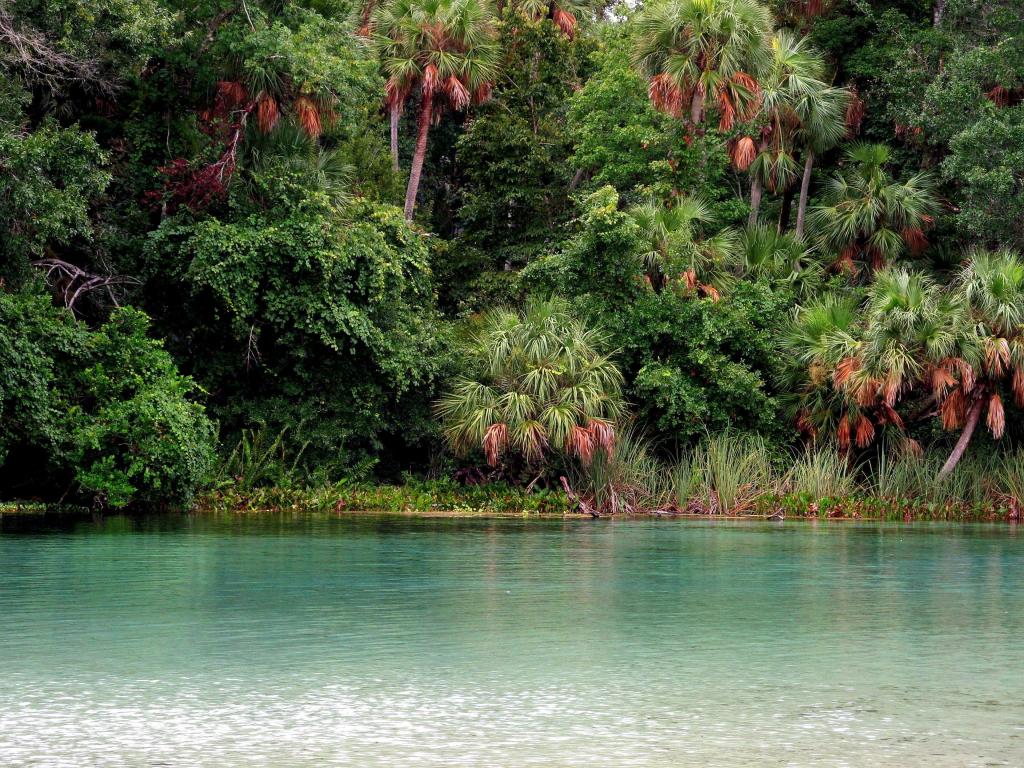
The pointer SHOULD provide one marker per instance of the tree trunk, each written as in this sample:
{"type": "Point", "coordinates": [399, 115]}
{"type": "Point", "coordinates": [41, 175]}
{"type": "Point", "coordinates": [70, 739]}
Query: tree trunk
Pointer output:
{"type": "Point", "coordinates": [786, 211]}
{"type": "Point", "coordinates": [696, 106]}
{"type": "Point", "coordinates": [940, 7]}
{"type": "Point", "coordinates": [755, 200]}
{"type": "Point", "coordinates": [395, 114]}
{"type": "Point", "coordinates": [421, 151]}
{"type": "Point", "coordinates": [805, 186]}
{"type": "Point", "coordinates": [965, 438]}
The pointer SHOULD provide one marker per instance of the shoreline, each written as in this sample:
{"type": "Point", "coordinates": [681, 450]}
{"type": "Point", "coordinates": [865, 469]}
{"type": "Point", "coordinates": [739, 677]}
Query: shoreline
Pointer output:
{"type": "Point", "coordinates": [485, 502]}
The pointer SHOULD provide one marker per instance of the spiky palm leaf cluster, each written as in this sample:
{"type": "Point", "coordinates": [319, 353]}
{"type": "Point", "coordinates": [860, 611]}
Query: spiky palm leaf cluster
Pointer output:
{"type": "Point", "coordinates": [800, 110]}
{"type": "Point", "coordinates": [956, 348]}
{"type": "Point", "coordinates": [764, 252]}
{"type": "Point", "coordinates": [676, 246]}
{"type": "Point", "coordinates": [545, 385]}
{"type": "Point", "coordinates": [567, 15]}
{"type": "Point", "coordinates": [446, 49]}
{"type": "Point", "coordinates": [869, 217]}
{"type": "Point", "coordinates": [991, 286]}
{"type": "Point", "coordinates": [697, 52]}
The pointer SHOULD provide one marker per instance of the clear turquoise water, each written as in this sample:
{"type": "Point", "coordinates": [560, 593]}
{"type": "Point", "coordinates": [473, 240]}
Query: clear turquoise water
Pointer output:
{"type": "Point", "coordinates": [178, 641]}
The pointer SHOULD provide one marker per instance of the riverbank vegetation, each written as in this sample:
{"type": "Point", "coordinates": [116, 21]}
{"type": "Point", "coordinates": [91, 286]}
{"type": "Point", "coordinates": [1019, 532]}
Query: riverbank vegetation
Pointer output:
{"type": "Point", "coordinates": [687, 256]}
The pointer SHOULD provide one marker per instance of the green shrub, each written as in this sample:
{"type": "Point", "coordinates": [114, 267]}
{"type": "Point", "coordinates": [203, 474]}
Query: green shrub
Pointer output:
{"type": "Point", "coordinates": [100, 415]}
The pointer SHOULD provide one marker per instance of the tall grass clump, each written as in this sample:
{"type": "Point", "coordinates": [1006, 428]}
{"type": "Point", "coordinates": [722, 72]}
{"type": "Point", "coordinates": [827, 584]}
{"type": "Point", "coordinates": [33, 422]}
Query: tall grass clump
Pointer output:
{"type": "Point", "coordinates": [1010, 474]}
{"type": "Point", "coordinates": [628, 480]}
{"type": "Point", "coordinates": [680, 482]}
{"type": "Point", "coordinates": [822, 473]}
{"type": "Point", "coordinates": [730, 472]}
{"type": "Point", "coordinates": [905, 477]}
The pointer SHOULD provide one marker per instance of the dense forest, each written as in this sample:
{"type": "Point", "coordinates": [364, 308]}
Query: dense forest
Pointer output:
{"type": "Point", "coordinates": [551, 244]}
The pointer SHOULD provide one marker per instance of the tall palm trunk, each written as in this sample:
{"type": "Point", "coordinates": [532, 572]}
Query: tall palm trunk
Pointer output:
{"type": "Point", "coordinates": [395, 114]}
{"type": "Point", "coordinates": [786, 211]}
{"type": "Point", "coordinates": [805, 187]}
{"type": "Point", "coordinates": [426, 110]}
{"type": "Point", "coordinates": [756, 188]}
{"type": "Point", "coordinates": [755, 200]}
{"type": "Point", "coordinates": [696, 106]}
{"type": "Point", "coordinates": [965, 438]}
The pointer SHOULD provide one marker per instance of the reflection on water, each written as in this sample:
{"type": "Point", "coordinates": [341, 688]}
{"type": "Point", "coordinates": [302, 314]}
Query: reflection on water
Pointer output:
{"type": "Point", "coordinates": [313, 641]}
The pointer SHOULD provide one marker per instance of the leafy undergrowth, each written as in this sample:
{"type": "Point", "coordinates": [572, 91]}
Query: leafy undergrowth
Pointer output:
{"type": "Point", "coordinates": [441, 498]}
{"type": "Point", "coordinates": [446, 498]}
{"type": "Point", "coordinates": [886, 508]}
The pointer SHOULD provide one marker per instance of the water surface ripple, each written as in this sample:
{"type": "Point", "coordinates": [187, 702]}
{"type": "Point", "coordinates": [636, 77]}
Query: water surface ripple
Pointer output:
{"type": "Point", "coordinates": [323, 641]}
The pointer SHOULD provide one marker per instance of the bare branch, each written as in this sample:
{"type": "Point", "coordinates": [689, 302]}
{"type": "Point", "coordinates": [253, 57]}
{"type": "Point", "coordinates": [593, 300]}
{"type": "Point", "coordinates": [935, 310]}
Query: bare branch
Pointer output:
{"type": "Point", "coordinates": [73, 282]}
{"type": "Point", "coordinates": [26, 49]}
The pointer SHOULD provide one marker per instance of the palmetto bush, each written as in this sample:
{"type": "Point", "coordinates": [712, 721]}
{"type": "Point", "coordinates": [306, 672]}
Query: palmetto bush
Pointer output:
{"type": "Point", "coordinates": [868, 216]}
{"type": "Point", "coordinates": [544, 383]}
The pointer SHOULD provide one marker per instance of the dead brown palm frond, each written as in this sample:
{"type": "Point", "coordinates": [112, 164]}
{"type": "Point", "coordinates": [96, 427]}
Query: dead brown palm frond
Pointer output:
{"type": "Point", "coordinates": [941, 379]}
{"type": "Point", "coordinates": [805, 424]}
{"type": "Point", "coordinates": [843, 432]}
{"type": "Point", "coordinates": [580, 443]}
{"type": "Point", "coordinates": [565, 21]}
{"type": "Point", "coordinates": [267, 112]}
{"type": "Point", "coordinates": [892, 389]}
{"type": "Point", "coordinates": [482, 93]}
{"type": "Point", "coordinates": [431, 79]}
{"type": "Point", "coordinates": [710, 292]}
{"type": "Point", "coordinates": [495, 442]}
{"type": "Point", "coordinates": [865, 432]}
{"type": "Point", "coordinates": [666, 95]}
{"type": "Point", "coordinates": [845, 262]}
{"type": "Point", "coordinates": [308, 116]}
{"type": "Point", "coordinates": [743, 152]}
{"type": "Point", "coordinates": [865, 390]}
{"type": "Point", "coordinates": [891, 416]}
{"type": "Point", "coordinates": [911, 447]}
{"type": "Point", "coordinates": [844, 370]}
{"type": "Point", "coordinates": [1018, 387]}
{"type": "Point", "coordinates": [997, 356]}
{"type": "Point", "coordinates": [231, 94]}
{"type": "Point", "coordinates": [727, 111]}
{"type": "Point", "coordinates": [953, 409]}
{"type": "Point", "coordinates": [854, 113]}
{"type": "Point", "coordinates": [967, 376]}
{"type": "Point", "coordinates": [457, 93]}
{"type": "Point", "coordinates": [915, 239]}
{"type": "Point", "coordinates": [603, 434]}
{"type": "Point", "coordinates": [395, 93]}
{"type": "Point", "coordinates": [999, 96]}
{"type": "Point", "coordinates": [996, 419]}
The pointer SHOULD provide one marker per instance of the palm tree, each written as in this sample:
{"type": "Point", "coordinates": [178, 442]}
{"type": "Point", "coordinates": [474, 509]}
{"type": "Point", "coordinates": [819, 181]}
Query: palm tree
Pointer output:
{"type": "Point", "coordinates": [674, 245]}
{"type": "Point", "coordinates": [800, 109]}
{"type": "Point", "coordinates": [444, 50]}
{"type": "Point", "coordinates": [868, 216]}
{"type": "Point", "coordinates": [861, 366]}
{"type": "Point", "coordinates": [823, 124]}
{"type": "Point", "coordinates": [545, 383]}
{"type": "Point", "coordinates": [695, 49]}
{"type": "Point", "coordinates": [566, 14]}
{"type": "Point", "coordinates": [764, 252]}
{"type": "Point", "coordinates": [991, 288]}
{"type": "Point", "coordinates": [957, 350]}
